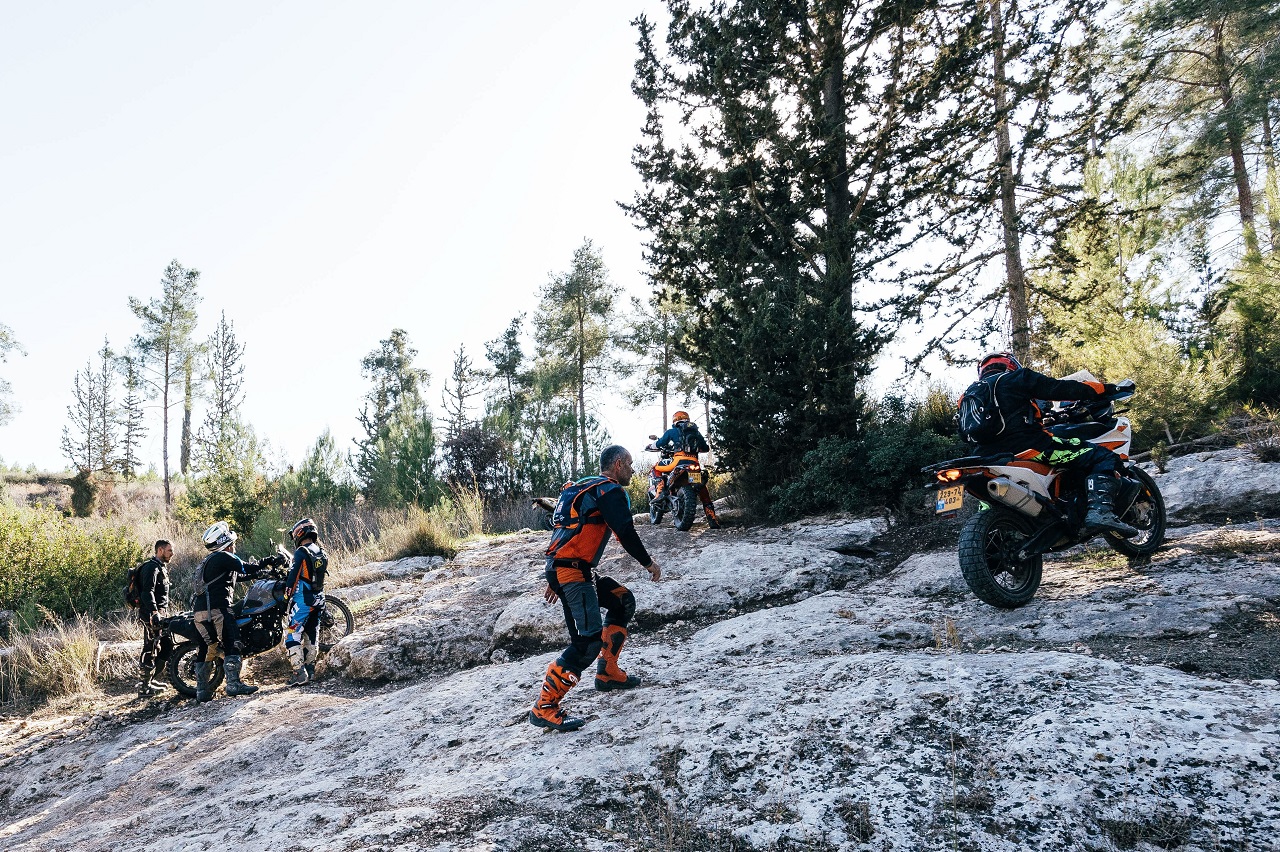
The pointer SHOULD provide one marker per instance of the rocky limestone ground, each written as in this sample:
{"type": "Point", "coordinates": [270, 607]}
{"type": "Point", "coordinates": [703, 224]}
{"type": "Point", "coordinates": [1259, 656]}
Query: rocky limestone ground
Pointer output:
{"type": "Point", "coordinates": [826, 685]}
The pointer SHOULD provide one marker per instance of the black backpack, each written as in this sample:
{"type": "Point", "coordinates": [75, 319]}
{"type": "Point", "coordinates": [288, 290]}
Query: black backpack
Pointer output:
{"type": "Point", "coordinates": [133, 587]}
{"type": "Point", "coordinates": [689, 436]}
{"type": "Point", "coordinates": [980, 418]}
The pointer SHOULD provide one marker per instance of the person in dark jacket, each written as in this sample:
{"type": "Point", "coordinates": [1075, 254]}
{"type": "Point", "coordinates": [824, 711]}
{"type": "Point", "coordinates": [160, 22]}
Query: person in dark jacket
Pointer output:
{"type": "Point", "coordinates": [684, 437]}
{"type": "Point", "coordinates": [601, 506]}
{"type": "Point", "coordinates": [153, 603]}
{"type": "Point", "coordinates": [1015, 391]}
{"type": "Point", "coordinates": [304, 587]}
{"type": "Point", "coordinates": [215, 620]}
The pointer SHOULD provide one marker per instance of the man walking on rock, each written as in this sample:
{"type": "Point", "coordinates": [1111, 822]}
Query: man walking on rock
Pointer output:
{"type": "Point", "coordinates": [585, 514]}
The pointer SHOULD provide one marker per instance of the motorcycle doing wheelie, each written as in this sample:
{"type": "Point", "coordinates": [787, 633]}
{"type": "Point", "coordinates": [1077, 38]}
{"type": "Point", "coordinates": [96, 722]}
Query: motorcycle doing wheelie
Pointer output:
{"type": "Point", "coordinates": [674, 483]}
{"type": "Point", "coordinates": [262, 615]}
{"type": "Point", "coordinates": [1029, 509]}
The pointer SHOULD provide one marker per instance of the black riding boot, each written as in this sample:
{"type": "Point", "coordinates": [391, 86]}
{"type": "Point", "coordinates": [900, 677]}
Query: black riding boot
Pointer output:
{"type": "Point", "coordinates": [1101, 517]}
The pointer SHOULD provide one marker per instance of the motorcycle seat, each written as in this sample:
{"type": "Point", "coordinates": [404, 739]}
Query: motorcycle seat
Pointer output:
{"type": "Point", "coordinates": [968, 461]}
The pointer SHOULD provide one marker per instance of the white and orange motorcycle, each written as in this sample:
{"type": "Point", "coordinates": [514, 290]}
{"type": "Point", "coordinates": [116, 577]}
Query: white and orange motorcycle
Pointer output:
{"type": "Point", "coordinates": [1029, 509]}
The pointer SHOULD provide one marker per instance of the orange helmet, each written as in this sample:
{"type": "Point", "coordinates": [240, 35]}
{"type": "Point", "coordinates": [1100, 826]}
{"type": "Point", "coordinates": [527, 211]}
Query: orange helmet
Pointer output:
{"type": "Point", "coordinates": [678, 416]}
{"type": "Point", "coordinates": [998, 362]}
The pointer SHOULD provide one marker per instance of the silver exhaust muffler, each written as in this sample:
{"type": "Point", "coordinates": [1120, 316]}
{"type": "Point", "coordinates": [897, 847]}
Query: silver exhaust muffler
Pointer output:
{"type": "Point", "coordinates": [1006, 492]}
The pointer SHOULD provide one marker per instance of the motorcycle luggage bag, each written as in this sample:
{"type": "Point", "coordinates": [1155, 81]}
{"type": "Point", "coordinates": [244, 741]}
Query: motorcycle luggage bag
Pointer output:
{"type": "Point", "coordinates": [183, 624]}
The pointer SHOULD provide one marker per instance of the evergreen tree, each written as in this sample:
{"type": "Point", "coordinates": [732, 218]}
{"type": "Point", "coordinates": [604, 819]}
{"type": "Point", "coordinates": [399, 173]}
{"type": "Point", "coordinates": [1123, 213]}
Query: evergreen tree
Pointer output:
{"type": "Point", "coordinates": [322, 479]}
{"type": "Point", "coordinates": [7, 344]}
{"type": "Point", "coordinates": [807, 157]}
{"type": "Point", "coordinates": [658, 336]}
{"type": "Point", "coordinates": [574, 334]}
{"type": "Point", "coordinates": [90, 438]}
{"type": "Point", "coordinates": [131, 418]}
{"type": "Point", "coordinates": [465, 383]}
{"type": "Point", "coordinates": [165, 343]}
{"type": "Point", "coordinates": [395, 459]}
{"type": "Point", "coordinates": [224, 372]}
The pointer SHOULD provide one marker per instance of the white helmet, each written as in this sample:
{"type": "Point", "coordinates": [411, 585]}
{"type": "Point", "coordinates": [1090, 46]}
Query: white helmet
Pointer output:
{"type": "Point", "coordinates": [219, 536]}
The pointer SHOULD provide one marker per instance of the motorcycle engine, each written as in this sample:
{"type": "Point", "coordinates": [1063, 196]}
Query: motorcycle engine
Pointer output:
{"type": "Point", "coordinates": [262, 633]}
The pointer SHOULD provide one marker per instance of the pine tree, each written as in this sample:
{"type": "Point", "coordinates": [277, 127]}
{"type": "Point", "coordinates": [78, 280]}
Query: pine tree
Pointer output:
{"type": "Point", "coordinates": [658, 336]}
{"type": "Point", "coordinates": [574, 334]}
{"type": "Point", "coordinates": [131, 417]}
{"type": "Point", "coordinates": [224, 372]}
{"type": "Point", "coordinates": [464, 383]}
{"type": "Point", "coordinates": [91, 437]}
{"type": "Point", "coordinates": [395, 459]}
{"type": "Point", "coordinates": [165, 343]}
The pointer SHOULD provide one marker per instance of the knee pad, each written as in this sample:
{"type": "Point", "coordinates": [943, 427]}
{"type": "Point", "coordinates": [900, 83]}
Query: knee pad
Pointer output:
{"type": "Point", "coordinates": [581, 653]}
{"type": "Point", "coordinates": [617, 600]}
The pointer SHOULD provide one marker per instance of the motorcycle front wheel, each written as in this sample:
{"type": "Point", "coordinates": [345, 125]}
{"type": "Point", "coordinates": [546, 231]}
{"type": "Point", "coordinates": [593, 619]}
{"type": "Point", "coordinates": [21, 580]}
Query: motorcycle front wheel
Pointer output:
{"type": "Point", "coordinates": [182, 669]}
{"type": "Point", "coordinates": [989, 545]}
{"type": "Point", "coordinates": [335, 622]}
{"type": "Point", "coordinates": [686, 506]}
{"type": "Point", "coordinates": [1146, 515]}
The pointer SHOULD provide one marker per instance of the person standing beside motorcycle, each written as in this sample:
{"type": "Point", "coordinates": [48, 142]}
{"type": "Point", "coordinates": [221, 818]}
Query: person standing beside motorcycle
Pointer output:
{"type": "Point", "coordinates": [304, 588]}
{"type": "Point", "coordinates": [153, 601]}
{"type": "Point", "coordinates": [1015, 390]}
{"type": "Point", "coordinates": [684, 437]}
{"type": "Point", "coordinates": [588, 510]}
{"type": "Point", "coordinates": [215, 620]}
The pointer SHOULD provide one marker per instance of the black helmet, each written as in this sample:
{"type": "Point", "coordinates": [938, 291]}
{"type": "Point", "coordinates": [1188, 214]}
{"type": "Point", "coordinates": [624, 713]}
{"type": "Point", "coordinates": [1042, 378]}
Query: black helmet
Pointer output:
{"type": "Point", "coordinates": [302, 529]}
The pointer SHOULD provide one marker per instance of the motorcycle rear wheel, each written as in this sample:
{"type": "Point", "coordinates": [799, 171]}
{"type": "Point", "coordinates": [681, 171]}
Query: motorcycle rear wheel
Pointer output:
{"type": "Point", "coordinates": [686, 506]}
{"type": "Point", "coordinates": [989, 546]}
{"type": "Point", "coordinates": [182, 669]}
{"type": "Point", "coordinates": [1147, 515]}
{"type": "Point", "coordinates": [335, 623]}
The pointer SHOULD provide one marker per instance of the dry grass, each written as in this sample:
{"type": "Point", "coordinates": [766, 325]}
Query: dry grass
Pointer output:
{"type": "Point", "coordinates": [62, 659]}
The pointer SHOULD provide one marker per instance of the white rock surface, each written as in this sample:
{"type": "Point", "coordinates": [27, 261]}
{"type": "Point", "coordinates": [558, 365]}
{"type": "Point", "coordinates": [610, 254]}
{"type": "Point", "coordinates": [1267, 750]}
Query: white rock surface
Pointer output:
{"type": "Point", "coordinates": [896, 713]}
{"type": "Point", "coordinates": [1223, 483]}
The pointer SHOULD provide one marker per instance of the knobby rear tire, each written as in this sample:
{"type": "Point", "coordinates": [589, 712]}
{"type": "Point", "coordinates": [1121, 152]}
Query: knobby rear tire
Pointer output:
{"type": "Point", "coordinates": [686, 507]}
{"type": "Point", "coordinates": [988, 548]}
{"type": "Point", "coordinates": [181, 669]}
{"type": "Point", "coordinates": [336, 622]}
{"type": "Point", "coordinates": [1147, 515]}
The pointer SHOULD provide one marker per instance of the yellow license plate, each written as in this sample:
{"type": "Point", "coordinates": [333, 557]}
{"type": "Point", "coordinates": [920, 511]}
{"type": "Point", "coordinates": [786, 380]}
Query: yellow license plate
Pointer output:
{"type": "Point", "coordinates": [949, 499]}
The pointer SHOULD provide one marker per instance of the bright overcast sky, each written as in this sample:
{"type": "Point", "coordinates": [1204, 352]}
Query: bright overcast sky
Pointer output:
{"type": "Point", "coordinates": [333, 170]}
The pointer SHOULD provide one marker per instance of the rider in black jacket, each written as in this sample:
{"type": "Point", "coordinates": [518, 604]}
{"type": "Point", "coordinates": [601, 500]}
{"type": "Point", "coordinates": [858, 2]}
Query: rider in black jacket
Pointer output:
{"type": "Point", "coordinates": [1015, 390]}
{"type": "Point", "coordinates": [215, 620]}
{"type": "Point", "coordinates": [684, 437]}
{"type": "Point", "coordinates": [153, 600]}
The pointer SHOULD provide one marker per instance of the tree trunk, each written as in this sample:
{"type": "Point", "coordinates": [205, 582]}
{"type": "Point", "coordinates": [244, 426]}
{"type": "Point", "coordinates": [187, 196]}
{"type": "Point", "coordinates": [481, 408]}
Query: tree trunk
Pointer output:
{"type": "Point", "coordinates": [164, 451]}
{"type": "Point", "coordinates": [1273, 182]}
{"type": "Point", "coordinates": [838, 196]}
{"type": "Point", "coordinates": [1235, 138]}
{"type": "Point", "coordinates": [1015, 276]}
{"type": "Point", "coordinates": [184, 457]}
{"type": "Point", "coordinates": [706, 403]}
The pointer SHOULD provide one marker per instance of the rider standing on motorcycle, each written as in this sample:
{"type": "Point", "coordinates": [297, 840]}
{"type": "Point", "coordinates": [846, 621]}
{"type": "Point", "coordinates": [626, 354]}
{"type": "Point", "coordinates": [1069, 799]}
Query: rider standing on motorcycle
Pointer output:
{"type": "Point", "coordinates": [153, 600]}
{"type": "Point", "coordinates": [305, 589]}
{"type": "Point", "coordinates": [596, 506]}
{"type": "Point", "coordinates": [684, 437]}
{"type": "Point", "coordinates": [215, 620]}
{"type": "Point", "coordinates": [1015, 391]}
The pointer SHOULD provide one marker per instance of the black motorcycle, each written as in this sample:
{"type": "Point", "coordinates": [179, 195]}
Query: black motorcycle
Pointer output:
{"type": "Point", "coordinates": [262, 615]}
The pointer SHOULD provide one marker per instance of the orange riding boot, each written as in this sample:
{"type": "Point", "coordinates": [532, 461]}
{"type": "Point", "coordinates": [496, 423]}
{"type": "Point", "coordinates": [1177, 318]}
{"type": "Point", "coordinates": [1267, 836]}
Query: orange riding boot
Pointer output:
{"type": "Point", "coordinates": [608, 674]}
{"type": "Point", "coordinates": [546, 712]}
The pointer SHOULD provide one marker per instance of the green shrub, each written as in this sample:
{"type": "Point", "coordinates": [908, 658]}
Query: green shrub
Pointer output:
{"type": "Point", "coordinates": [52, 562]}
{"type": "Point", "coordinates": [876, 469]}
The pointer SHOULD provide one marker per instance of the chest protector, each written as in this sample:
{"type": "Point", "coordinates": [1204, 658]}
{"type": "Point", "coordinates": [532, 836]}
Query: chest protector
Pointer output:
{"type": "Point", "coordinates": [578, 530]}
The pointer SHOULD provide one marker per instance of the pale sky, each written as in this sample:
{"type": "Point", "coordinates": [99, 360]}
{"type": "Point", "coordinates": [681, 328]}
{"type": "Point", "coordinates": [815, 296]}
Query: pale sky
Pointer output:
{"type": "Point", "coordinates": [334, 170]}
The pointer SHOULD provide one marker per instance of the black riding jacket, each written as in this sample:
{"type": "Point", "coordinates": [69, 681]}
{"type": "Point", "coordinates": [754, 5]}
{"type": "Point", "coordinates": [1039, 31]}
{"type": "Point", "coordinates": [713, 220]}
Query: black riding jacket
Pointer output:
{"type": "Point", "coordinates": [221, 570]}
{"type": "Point", "coordinates": [153, 580]}
{"type": "Point", "coordinates": [683, 437]}
{"type": "Point", "coordinates": [1016, 392]}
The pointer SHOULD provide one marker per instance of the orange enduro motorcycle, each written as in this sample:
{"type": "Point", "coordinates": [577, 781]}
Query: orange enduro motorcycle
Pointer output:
{"type": "Point", "coordinates": [673, 486]}
{"type": "Point", "coordinates": [1028, 509]}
